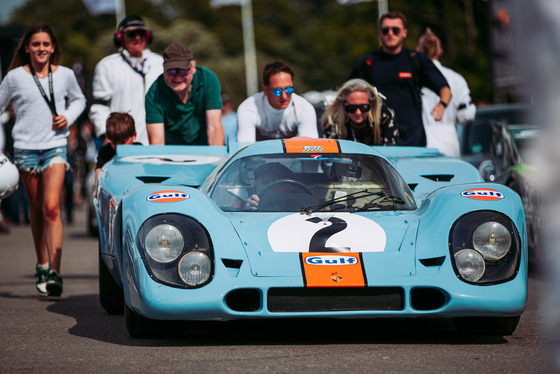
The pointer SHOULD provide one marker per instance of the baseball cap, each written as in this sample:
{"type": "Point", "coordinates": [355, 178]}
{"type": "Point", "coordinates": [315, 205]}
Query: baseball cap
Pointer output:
{"type": "Point", "coordinates": [177, 56]}
{"type": "Point", "coordinates": [131, 23]}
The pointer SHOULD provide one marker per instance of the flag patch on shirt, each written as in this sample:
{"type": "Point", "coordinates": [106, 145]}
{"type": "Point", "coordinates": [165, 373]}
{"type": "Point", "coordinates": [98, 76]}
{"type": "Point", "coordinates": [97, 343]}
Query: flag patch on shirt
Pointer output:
{"type": "Point", "coordinates": [405, 75]}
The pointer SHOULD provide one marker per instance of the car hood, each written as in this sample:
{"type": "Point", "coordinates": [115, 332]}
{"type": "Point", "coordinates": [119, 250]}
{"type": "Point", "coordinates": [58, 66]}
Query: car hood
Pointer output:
{"type": "Point", "coordinates": [274, 241]}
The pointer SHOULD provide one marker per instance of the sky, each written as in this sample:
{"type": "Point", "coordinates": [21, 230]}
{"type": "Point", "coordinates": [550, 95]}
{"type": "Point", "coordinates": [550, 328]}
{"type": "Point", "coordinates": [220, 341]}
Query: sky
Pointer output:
{"type": "Point", "coordinates": [7, 7]}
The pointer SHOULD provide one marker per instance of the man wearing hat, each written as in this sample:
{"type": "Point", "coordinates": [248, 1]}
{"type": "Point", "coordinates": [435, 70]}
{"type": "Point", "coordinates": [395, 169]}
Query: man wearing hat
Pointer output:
{"type": "Point", "coordinates": [184, 105]}
{"type": "Point", "coordinates": [121, 80]}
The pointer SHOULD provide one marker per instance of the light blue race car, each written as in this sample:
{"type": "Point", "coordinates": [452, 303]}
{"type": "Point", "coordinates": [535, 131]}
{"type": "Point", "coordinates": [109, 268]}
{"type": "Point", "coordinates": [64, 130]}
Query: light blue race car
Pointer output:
{"type": "Point", "coordinates": [306, 228]}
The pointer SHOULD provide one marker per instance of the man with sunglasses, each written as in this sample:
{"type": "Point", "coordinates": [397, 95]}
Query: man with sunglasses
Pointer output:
{"type": "Point", "coordinates": [277, 112]}
{"type": "Point", "coordinates": [399, 74]}
{"type": "Point", "coordinates": [122, 79]}
{"type": "Point", "coordinates": [184, 105]}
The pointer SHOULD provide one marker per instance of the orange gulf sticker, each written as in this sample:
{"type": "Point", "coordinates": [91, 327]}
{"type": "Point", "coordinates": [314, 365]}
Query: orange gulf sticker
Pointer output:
{"type": "Point", "coordinates": [333, 269]}
{"type": "Point", "coordinates": [168, 196]}
{"type": "Point", "coordinates": [488, 194]}
{"type": "Point", "coordinates": [304, 145]}
{"type": "Point", "coordinates": [405, 75]}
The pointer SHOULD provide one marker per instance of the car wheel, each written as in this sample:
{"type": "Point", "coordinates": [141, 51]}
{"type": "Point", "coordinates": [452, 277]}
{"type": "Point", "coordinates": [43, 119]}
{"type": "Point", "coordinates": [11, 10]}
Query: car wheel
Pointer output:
{"type": "Point", "coordinates": [141, 327]}
{"type": "Point", "coordinates": [110, 294]}
{"type": "Point", "coordinates": [486, 325]}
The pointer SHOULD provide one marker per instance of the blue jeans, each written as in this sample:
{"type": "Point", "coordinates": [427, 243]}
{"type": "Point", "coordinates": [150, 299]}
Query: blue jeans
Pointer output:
{"type": "Point", "coordinates": [36, 161]}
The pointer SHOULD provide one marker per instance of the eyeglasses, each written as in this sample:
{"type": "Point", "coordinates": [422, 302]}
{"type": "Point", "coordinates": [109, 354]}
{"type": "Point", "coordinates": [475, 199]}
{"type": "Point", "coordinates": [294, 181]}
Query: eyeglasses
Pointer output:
{"type": "Point", "coordinates": [175, 72]}
{"type": "Point", "coordinates": [395, 30]}
{"type": "Point", "coordinates": [278, 91]}
{"type": "Point", "coordinates": [134, 33]}
{"type": "Point", "coordinates": [353, 108]}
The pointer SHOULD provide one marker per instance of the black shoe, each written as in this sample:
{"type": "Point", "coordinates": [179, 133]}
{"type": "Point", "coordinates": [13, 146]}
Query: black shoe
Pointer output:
{"type": "Point", "coordinates": [54, 284]}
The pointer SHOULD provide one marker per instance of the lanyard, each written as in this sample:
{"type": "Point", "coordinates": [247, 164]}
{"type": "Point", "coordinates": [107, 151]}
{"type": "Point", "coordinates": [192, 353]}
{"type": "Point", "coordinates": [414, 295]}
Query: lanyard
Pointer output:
{"type": "Point", "coordinates": [50, 103]}
{"type": "Point", "coordinates": [139, 71]}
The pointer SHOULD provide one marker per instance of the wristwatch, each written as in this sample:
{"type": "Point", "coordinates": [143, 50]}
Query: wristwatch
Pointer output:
{"type": "Point", "coordinates": [443, 103]}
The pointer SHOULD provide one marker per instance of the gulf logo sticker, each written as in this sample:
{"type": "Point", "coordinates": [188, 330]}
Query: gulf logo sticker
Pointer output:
{"type": "Point", "coordinates": [169, 196]}
{"type": "Point", "coordinates": [487, 194]}
{"type": "Point", "coordinates": [333, 270]}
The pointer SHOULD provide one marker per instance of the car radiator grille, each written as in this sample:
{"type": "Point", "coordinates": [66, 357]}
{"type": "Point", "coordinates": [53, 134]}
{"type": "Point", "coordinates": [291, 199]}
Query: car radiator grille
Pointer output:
{"type": "Point", "coordinates": [335, 299]}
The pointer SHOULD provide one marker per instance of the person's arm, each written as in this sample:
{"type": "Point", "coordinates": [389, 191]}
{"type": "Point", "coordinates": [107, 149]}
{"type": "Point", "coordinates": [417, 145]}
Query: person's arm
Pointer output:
{"type": "Point", "coordinates": [156, 133]}
{"type": "Point", "coordinates": [465, 110]}
{"type": "Point", "coordinates": [308, 121]}
{"type": "Point", "coordinates": [102, 93]}
{"type": "Point", "coordinates": [75, 103]}
{"type": "Point", "coordinates": [247, 118]}
{"type": "Point", "coordinates": [444, 99]}
{"type": "Point", "coordinates": [214, 127]}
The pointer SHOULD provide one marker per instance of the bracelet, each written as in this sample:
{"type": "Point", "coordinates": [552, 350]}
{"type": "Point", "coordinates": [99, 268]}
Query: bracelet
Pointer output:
{"type": "Point", "coordinates": [443, 103]}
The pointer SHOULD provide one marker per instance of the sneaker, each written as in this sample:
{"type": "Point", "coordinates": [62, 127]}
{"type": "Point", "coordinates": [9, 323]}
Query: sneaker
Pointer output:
{"type": "Point", "coordinates": [54, 284]}
{"type": "Point", "coordinates": [41, 282]}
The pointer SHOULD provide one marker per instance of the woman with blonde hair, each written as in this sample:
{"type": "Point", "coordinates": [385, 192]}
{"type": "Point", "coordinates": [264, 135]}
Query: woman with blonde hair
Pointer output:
{"type": "Point", "coordinates": [358, 113]}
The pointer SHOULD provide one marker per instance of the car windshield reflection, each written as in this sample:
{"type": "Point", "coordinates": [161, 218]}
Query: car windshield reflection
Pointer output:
{"type": "Point", "coordinates": [325, 182]}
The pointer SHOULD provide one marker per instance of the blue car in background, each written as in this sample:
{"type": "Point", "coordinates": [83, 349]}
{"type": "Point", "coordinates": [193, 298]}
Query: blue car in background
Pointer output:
{"type": "Point", "coordinates": [306, 228]}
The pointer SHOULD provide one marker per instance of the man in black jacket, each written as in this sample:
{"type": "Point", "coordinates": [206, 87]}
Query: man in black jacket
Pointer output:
{"type": "Point", "coordinates": [399, 74]}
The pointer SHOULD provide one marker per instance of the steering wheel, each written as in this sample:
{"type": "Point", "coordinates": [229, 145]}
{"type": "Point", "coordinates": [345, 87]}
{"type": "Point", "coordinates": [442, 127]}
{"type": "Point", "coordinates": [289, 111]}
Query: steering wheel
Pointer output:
{"type": "Point", "coordinates": [266, 189]}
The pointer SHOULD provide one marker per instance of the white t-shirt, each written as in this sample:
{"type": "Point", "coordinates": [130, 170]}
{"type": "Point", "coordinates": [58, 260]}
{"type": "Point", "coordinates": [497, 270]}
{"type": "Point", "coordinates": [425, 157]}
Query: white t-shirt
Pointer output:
{"type": "Point", "coordinates": [443, 134]}
{"type": "Point", "coordinates": [256, 115]}
{"type": "Point", "coordinates": [118, 88]}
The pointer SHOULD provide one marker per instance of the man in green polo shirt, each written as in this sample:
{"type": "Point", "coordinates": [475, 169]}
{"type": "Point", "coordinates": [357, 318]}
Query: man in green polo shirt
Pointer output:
{"type": "Point", "coordinates": [184, 104]}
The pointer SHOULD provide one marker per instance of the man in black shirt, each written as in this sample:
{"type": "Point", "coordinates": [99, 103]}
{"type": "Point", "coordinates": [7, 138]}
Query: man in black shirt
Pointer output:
{"type": "Point", "coordinates": [399, 74]}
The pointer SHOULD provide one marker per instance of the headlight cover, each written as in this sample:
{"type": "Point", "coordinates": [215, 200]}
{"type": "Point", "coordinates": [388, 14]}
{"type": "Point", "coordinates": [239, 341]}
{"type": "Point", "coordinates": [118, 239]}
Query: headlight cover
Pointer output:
{"type": "Point", "coordinates": [485, 248]}
{"type": "Point", "coordinates": [176, 250]}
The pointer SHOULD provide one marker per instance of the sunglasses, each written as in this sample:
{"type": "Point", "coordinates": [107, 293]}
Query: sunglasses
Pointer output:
{"type": "Point", "coordinates": [175, 72]}
{"type": "Point", "coordinates": [353, 108]}
{"type": "Point", "coordinates": [278, 91]}
{"type": "Point", "coordinates": [395, 30]}
{"type": "Point", "coordinates": [134, 33]}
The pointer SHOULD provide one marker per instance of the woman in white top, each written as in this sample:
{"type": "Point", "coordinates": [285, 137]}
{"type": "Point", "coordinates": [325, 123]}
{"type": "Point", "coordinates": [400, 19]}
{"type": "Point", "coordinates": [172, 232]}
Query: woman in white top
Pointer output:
{"type": "Point", "coordinates": [46, 99]}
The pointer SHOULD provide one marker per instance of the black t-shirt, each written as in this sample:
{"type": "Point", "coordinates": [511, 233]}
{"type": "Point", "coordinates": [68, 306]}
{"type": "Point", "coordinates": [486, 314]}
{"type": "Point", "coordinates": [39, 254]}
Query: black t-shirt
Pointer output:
{"type": "Point", "coordinates": [106, 153]}
{"type": "Point", "coordinates": [393, 76]}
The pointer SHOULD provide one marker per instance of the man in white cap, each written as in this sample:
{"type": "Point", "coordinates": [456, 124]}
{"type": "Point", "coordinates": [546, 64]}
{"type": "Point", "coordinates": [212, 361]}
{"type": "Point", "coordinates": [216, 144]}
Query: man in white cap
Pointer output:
{"type": "Point", "coordinates": [122, 79]}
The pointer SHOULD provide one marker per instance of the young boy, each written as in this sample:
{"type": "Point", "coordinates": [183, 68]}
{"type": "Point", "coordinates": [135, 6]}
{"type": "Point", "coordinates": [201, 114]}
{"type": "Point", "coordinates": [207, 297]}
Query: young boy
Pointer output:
{"type": "Point", "coordinates": [119, 130]}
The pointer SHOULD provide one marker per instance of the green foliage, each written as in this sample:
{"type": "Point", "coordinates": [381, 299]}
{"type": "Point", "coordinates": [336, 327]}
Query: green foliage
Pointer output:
{"type": "Point", "coordinates": [320, 38]}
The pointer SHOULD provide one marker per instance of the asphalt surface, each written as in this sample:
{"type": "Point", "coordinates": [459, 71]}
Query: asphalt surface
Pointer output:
{"type": "Point", "coordinates": [73, 333]}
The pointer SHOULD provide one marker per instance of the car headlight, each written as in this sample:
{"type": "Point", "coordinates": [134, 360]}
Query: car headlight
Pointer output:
{"type": "Point", "coordinates": [176, 250]}
{"type": "Point", "coordinates": [164, 243]}
{"type": "Point", "coordinates": [485, 247]}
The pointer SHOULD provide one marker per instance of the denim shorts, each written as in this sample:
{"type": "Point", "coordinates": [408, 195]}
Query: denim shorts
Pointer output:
{"type": "Point", "coordinates": [37, 160]}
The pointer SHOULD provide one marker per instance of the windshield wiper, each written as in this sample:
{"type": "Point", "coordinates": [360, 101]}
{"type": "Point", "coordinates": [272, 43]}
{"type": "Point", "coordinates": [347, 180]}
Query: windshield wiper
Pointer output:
{"type": "Point", "coordinates": [380, 202]}
{"type": "Point", "coordinates": [339, 200]}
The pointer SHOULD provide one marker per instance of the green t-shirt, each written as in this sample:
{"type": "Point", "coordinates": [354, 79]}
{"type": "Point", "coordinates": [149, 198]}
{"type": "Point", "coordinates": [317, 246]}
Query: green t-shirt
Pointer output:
{"type": "Point", "coordinates": [185, 124]}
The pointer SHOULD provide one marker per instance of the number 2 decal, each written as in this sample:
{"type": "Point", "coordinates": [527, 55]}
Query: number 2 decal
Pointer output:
{"type": "Point", "coordinates": [318, 241]}
{"type": "Point", "coordinates": [327, 233]}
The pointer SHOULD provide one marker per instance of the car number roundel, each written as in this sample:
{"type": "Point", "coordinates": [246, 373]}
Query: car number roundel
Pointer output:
{"type": "Point", "coordinates": [483, 194]}
{"type": "Point", "coordinates": [326, 233]}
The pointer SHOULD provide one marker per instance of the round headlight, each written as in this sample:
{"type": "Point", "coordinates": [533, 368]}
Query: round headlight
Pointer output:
{"type": "Point", "coordinates": [492, 240]}
{"type": "Point", "coordinates": [195, 268]}
{"type": "Point", "coordinates": [164, 243]}
{"type": "Point", "coordinates": [470, 264]}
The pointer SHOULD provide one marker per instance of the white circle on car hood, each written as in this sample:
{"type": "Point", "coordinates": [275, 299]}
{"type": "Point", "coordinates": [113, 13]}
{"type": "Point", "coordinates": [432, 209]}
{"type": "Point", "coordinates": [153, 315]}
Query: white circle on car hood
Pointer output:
{"type": "Point", "coordinates": [324, 232]}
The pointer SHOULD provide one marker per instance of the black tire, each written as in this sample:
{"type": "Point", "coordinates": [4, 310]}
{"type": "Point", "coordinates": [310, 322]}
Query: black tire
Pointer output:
{"type": "Point", "coordinates": [93, 229]}
{"type": "Point", "coordinates": [111, 295]}
{"type": "Point", "coordinates": [140, 327]}
{"type": "Point", "coordinates": [486, 325]}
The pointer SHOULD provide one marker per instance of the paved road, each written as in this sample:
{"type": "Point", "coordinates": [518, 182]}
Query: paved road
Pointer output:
{"type": "Point", "coordinates": [73, 334]}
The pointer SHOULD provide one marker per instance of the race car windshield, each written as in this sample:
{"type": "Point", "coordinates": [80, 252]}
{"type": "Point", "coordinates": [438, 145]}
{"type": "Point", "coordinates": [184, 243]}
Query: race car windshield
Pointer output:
{"type": "Point", "coordinates": [301, 183]}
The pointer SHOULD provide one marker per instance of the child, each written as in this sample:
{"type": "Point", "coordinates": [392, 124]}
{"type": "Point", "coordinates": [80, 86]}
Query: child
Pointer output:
{"type": "Point", "coordinates": [119, 130]}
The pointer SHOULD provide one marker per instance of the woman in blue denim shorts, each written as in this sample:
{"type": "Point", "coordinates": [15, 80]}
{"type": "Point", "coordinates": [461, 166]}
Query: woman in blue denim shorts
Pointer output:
{"type": "Point", "coordinates": [46, 99]}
